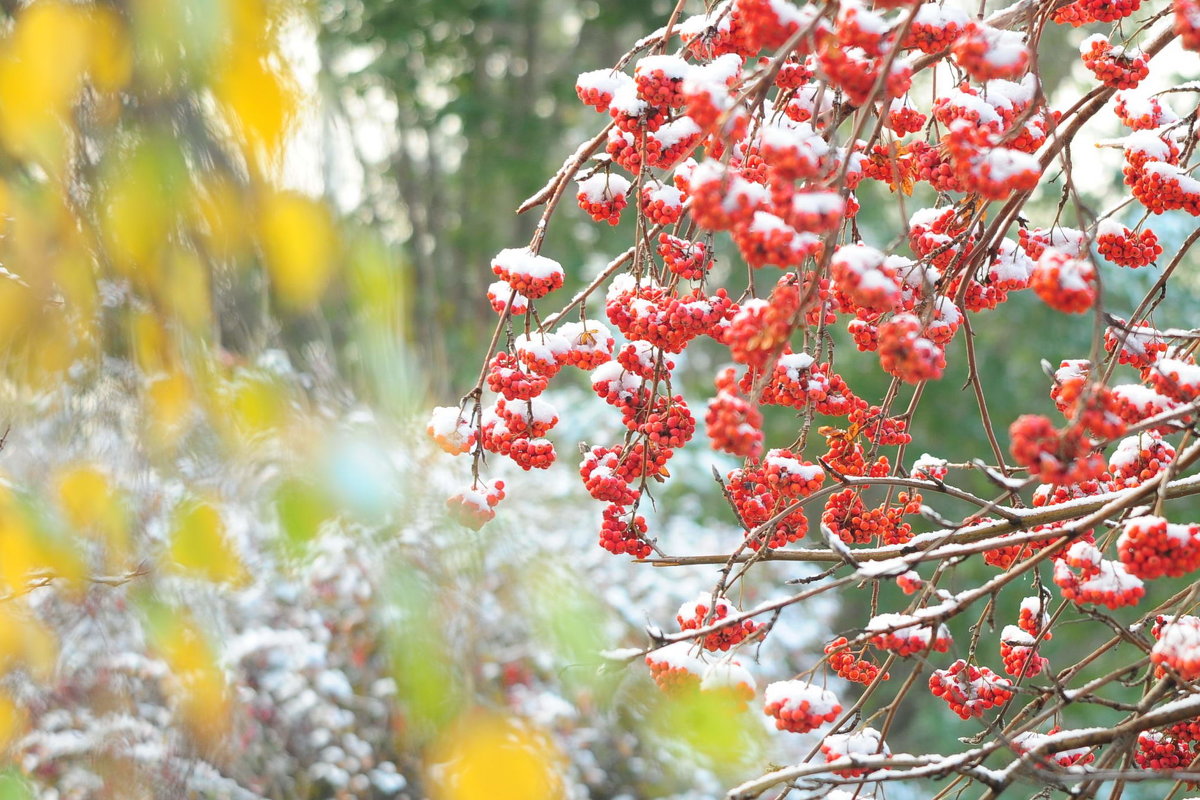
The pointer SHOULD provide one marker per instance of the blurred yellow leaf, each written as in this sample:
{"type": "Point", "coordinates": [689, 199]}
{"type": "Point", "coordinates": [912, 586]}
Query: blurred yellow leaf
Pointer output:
{"type": "Point", "coordinates": [186, 289]}
{"type": "Point", "coordinates": [32, 550]}
{"type": "Point", "coordinates": [299, 242]}
{"type": "Point", "coordinates": [25, 642]}
{"type": "Point", "coordinates": [91, 505]}
{"type": "Point", "coordinates": [12, 721]}
{"type": "Point", "coordinates": [42, 64]}
{"type": "Point", "coordinates": [196, 682]}
{"type": "Point", "coordinates": [138, 208]}
{"type": "Point", "coordinates": [169, 405]}
{"type": "Point", "coordinates": [111, 61]}
{"type": "Point", "coordinates": [259, 99]}
{"type": "Point", "coordinates": [489, 757]}
{"type": "Point", "coordinates": [216, 211]}
{"type": "Point", "coordinates": [199, 544]}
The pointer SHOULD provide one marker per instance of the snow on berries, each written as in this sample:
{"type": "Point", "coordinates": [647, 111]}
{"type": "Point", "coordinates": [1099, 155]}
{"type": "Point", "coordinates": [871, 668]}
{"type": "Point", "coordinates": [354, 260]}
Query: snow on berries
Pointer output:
{"type": "Point", "coordinates": [675, 668]}
{"type": "Point", "coordinates": [1114, 66]}
{"type": "Point", "coordinates": [451, 430]}
{"type": "Point", "coordinates": [598, 87]}
{"type": "Point", "coordinates": [543, 353]}
{"type": "Point", "coordinates": [531, 274]}
{"type": "Point", "coordinates": [603, 195]}
{"type": "Point", "coordinates": [986, 52]}
{"type": "Point", "coordinates": [789, 476]}
{"type": "Point", "coordinates": [1064, 283]}
{"type": "Point", "coordinates": [970, 690]}
{"type": "Point", "coordinates": [662, 204]}
{"type": "Point", "coordinates": [702, 612]}
{"type": "Point", "coordinates": [1098, 581]}
{"type": "Point", "coordinates": [1151, 547]}
{"type": "Point", "coordinates": [589, 344]}
{"type": "Point", "coordinates": [1176, 378]}
{"type": "Point", "coordinates": [799, 706]}
{"type": "Point", "coordinates": [1017, 651]}
{"type": "Point", "coordinates": [729, 678]}
{"type": "Point", "coordinates": [847, 748]}
{"type": "Point", "coordinates": [475, 506]}
{"type": "Point", "coordinates": [906, 635]}
{"type": "Point", "coordinates": [1178, 646]}
{"type": "Point", "coordinates": [498, 294]}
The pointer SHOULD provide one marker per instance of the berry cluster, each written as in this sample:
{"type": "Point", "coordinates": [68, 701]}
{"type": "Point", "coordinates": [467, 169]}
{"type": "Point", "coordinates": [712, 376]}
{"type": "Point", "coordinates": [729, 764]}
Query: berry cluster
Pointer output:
{"type": "Point", "coordinates": [696, 614]}
{"type": "Point", "coordinates": [800, 707]}
{"type": "Point", "coordinates": [1098, 580]}
{"type": "Point", "coordinates": [1150, 547]}
{"type": "Point", "coordinates": [906, 635]}
{"type": "Point", "coordinates": [970, 690]}
{"type": "Point", "coordinates": [1018, 651]}
{"type": "Point", "coordinates": [1113, 66]}
{"type": "Point", "coordinates": [848, 665]}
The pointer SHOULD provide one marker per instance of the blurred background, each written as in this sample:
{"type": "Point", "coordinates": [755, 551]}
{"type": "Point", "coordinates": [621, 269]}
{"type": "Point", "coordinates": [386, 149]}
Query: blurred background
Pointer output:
{"type": "Point", "coordinates": [244, 248]}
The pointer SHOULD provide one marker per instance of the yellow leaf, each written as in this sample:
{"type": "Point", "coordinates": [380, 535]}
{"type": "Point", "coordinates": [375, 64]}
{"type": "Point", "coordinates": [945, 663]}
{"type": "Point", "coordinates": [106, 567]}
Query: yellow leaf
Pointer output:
{"type": "Point", "coordinates": [299, 241]}
{"type": "Point", "coordinates": [169, 404]}
{"type": "Point", "coordinates": [24, 642]}
{"type": "Point", "coordinates": [42, 64]}
{"type": "Point", "coordinates": [12, 721]}
{"type": "Point", "coordinates": [217, 211]}
{"type": "Point", "coordinates": [199, 545]}
{"type": "Point", "coordinates": [91, 505]}
{"type": "Point", "coordinates": [259, 101]}
{"type": "Point", "coordinates": [31, 552]}
{"type": "Point", "coordinates": [489, 757]}
{"type": "Point", "coordinates": [196, 683]}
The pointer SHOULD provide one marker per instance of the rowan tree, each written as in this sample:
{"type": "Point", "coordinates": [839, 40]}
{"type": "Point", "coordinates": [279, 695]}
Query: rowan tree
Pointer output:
{"type": "Point", "coordinates": [734, 147]}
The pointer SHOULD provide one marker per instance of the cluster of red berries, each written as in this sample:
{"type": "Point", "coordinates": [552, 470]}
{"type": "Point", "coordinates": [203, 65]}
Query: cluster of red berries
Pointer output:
{"type": "Point", "coordinates": [1177, 645]}
{"type": "Point", "coordinates": [696, 614]}
{"type": "Point", "coordinates": [1150, 547]}
{"type": "Point", "coordinates": [906, 354]}
{"type": "Point", "coordinates": [848, 665]}
{"type": "Point", "coordinates": [689, 260]}
{"type": "Point", "coordinates": [1098, 580]}
{"type": "Point", "coordinates": [620, 535]}
{"type": "Point", "coordinates": [1063, 282]}
{"type": "Point", "coordinates": [1058, 457]}
{"type": "Point", "coordinates": [531, 274]}
{"type": "Point", "coordinates": [1140, 344]}
{"type": "Point", "coordinates": [732, 423]}
{"type": "Point", "coordinates": [970, 690]}
{"type": "Point", "coordinates": [848, 517]}
{"type": "Point", "coordinates": [799, 706]}
{"type": "Point", "coordinates": [1084, 12]}
{"type": "Point", "coordinates": [1177, 378]}
{"type": "Point", "coordinates": [669, 322]}
{"type": "Point", "coordinates": [1139, 458]}
{"type": "Point", "coordinates": [603, 195]}
{"type": "Point", "coordinates": [1162, 187]}
{"type": "Point", "coordinates": [1113, 66]}
{"type": "Point", "coordinates": [1159, 750]}
{"type": "Point", "coordinates": [906, 635]}
{"type": "Point", "coordinates": [1187, 23]}
{"type": "Point", "coordinates": [1017, 650]}
{"type": "Point", "coordinates": [675, 669]}
{"type": "Point", "coordinates": [476, 506]}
